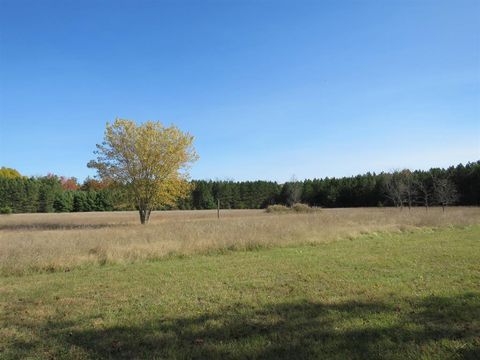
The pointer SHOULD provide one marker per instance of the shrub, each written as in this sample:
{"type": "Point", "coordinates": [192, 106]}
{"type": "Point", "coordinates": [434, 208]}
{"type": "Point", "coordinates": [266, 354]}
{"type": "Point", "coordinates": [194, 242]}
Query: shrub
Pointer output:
{"type": "Point", "coordinates": [277, 209]}
{"type": "Point", "coordinates": [302, 208]}
{"type": "Point", "coordinates": [298, 208]}
{"type": "Point", "coordinates": [6, 210]}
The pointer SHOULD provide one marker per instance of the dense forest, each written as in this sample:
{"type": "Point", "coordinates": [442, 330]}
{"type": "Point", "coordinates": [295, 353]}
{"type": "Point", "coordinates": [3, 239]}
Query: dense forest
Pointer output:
{"type": "Point", "coordinates": [51, 193]}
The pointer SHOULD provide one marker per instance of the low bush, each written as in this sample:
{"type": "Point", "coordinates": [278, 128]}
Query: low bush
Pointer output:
{"type": "Point", "coordinates": [302, 208]}
{"type": "Point", "coordinates": [297, 208]}
{"type": "Point", "coordinates": [277, 209]}
{"type": "Point", "coordinates": [6, 210]}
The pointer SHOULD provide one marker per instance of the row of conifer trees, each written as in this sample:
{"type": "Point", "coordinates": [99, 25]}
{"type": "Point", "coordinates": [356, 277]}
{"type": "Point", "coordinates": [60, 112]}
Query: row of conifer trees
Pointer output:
{"type": "Point", "coordinates": [52, 193]}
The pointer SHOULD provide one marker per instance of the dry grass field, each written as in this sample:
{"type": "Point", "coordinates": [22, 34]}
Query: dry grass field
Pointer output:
{"type": "Point", "coordinates": [378, 284]}
{"type": "Point", "coordinates": [60, 242]}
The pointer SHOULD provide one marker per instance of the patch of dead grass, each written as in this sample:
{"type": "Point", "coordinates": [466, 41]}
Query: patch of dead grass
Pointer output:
{"type": "Point", "coordinates": [60, 242]}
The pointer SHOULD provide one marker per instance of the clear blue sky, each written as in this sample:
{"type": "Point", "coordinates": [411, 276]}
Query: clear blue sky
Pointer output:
{"type": "Point", "coordinates": [269, 88]}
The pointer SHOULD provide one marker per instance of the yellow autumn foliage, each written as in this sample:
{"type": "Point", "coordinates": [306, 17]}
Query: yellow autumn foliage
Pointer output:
{"type": "Point", "coordinates": [9, 173]}
{"type": "Point", "coordinates": [149, 159]}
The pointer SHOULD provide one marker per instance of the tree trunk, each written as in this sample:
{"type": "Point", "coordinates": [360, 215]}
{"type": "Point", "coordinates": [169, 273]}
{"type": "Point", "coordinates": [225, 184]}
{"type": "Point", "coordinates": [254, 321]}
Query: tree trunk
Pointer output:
{"type": "Point", "coordinates": [144, 215]}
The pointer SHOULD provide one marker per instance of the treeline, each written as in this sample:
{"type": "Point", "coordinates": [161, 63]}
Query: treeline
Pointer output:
{"type": "Point", "coordinates": [232, 195]}
{"type": "Point", "coordinates": [455, 185]}
{"type": "Point", "coordinates": [52, 193]}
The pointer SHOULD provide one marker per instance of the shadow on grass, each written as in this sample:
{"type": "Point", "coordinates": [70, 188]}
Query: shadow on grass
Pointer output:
{"type": "Point", "coordinates": [438, 327]}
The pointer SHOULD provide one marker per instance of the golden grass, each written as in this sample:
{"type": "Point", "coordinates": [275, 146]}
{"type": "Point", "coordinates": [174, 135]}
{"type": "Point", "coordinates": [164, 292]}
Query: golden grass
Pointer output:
{"type": "Point", "coordinates": [53, 242]}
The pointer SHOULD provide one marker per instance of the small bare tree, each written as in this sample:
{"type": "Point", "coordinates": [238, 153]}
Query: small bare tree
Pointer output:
{"type": "Point", "coordinates": [294, 191]}
{"type": "Point", "coordinates": [424, 192]}
{"type": "Point", "coordinates": [408, 193]}
{"type": "Point", "coordinates": [395, 188]}
{"type": "Point", "coordinates": [445, 192]}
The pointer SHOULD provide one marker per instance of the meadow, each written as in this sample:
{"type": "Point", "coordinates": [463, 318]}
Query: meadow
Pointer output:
{"type": "Point", "coordinates": [61, 242]}
{"type": "Point", "coordinates": [337, 283]}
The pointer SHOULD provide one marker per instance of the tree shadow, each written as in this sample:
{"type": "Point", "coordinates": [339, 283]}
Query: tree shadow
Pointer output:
{"type": "Point", "coordinates": [299, 330]}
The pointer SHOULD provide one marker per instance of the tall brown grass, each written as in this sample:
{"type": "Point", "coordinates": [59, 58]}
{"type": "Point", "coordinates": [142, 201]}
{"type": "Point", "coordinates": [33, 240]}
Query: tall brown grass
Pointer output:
{"type": "Point", "coordinates": [59, 242]}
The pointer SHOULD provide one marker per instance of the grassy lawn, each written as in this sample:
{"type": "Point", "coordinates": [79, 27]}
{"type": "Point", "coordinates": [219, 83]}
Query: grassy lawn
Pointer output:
{"type": "Point", "coordinates": [404, 295]}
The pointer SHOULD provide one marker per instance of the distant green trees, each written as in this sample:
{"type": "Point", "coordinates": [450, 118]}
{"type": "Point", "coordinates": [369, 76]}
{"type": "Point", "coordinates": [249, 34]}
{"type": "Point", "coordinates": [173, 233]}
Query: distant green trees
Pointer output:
{"type": "Point", "coordinates": [454, 185]}
{"type": "Point", "coordinates": [52, 194]}
{"type": "Point", "coordinates": [415, 188]}
{"type": "Point", "coordinates": [232, 195]}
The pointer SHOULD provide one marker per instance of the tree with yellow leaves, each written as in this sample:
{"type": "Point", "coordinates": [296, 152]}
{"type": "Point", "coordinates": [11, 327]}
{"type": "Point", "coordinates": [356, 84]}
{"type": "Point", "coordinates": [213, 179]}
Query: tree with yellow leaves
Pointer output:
{"type": "Point", "coordinates": [150, 160]}
{"type": "Point", "coordinates": [9, 173]}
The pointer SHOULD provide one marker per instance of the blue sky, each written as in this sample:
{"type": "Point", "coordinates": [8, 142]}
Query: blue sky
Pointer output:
{"type": "Point", "coordinates": [268, 88]}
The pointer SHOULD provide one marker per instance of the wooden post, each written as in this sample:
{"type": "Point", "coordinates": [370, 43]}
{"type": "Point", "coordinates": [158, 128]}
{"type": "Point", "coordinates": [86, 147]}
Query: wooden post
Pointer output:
{"type": "Point", "coordinates": [218, 208]}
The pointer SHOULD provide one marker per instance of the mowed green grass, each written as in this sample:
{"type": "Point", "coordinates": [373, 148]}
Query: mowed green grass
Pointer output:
{"type": "Point", "coordinates": [389, 296]}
